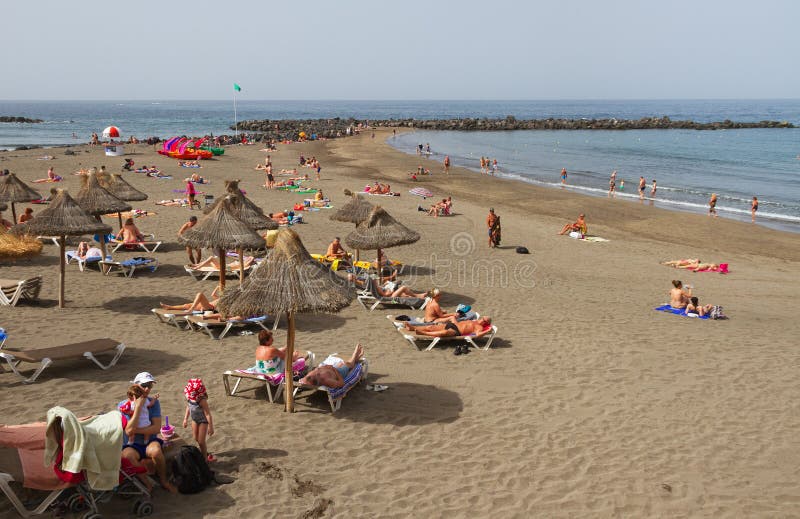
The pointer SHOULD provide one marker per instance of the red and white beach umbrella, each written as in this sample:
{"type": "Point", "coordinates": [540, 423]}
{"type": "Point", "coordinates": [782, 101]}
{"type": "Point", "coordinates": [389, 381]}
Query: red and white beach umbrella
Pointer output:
{"type": "Point", "coordinates": [111, 131]}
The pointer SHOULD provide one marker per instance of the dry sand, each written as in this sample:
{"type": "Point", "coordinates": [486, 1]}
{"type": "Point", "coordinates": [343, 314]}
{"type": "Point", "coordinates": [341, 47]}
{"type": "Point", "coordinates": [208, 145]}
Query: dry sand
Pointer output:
{"type": "Point", "coordinates": [588, 404]}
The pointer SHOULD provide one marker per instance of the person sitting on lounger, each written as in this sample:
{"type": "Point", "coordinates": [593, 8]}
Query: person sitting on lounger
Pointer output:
{"type": "Point", "coordinates": [335, 250]}
{"type": "Point", "coordinates": [200, 303]}
{"type": "Point", "coordinates": [694, 307]}
{"type": "Point", "coordinates": [269, 359]}
{"type": "Point", "coordinates": [578, 226]}
{"type": "Point", "coordinates": [453, 329]}
{"type": "Point", "coordinates": [678, 297]}
{"type": "Point", "coordinates": [333, 370]}
{"type": "Point", "coordinates": [434, 312]}
{"type": "Point", "coordinates": [130, 233]}
{"type": "Point", "coordinates": [85, 251]}
{"type": "Point", "coordinates": [27, 215]}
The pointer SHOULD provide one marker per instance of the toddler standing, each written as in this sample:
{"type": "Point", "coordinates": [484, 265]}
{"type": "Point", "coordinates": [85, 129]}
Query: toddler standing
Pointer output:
{"type": "Point", "coordinates": [197, 408]}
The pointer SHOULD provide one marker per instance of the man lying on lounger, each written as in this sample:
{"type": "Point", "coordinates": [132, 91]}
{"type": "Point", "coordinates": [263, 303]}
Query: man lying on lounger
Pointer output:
{"type": "Point", "coordinates": [333, 370]}
{"type": "Point", "coordinates": [453, 329]}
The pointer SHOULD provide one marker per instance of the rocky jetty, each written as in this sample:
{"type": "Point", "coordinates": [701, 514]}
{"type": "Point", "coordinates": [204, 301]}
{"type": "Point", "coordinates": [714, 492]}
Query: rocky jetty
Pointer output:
{"type": "Point", "coordinates": [289, 129]}
{"type": "Point", "coordinates": [16, 119]}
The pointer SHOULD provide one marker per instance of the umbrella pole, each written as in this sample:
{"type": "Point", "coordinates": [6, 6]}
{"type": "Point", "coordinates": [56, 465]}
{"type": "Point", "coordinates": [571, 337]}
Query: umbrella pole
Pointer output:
{"type": "Point", "coordinates": [14, 213]}
{"type": "Point", "coordinates": [61, 269]}
{"type": "Point", "coordinates": [119, 215]}
{"type": "Point", "coordinates": [222, 270]}
{"type": "Point", "coordinates": [380, 270]}
{"type": "Point", "coordinates": [288, 392]}
{"type": "Point", "coordinates": [241, 266]}
{"type": "Point", "coordinates": [102, 240]}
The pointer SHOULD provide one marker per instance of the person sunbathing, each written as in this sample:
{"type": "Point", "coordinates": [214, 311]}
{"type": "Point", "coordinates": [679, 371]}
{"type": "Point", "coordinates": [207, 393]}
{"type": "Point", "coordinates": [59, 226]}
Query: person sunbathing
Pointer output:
{"type": "Point", "coordinates": [578, 226]}
{"type": "Point", "coordinates": [130, 233]}
{"type": "Point", "coordinates": [200, 303]}
{"type": "Point", "coordinates": [453, 329]}
{"type": "Point", "coordinates": [85, 251]}
{"type": "Point", "coordinates": [694, 307]}
{"type": "Point", "coordinates": [279, 218]}
{"type": "Point", "coordinates": [678, 297]}
{"type": "Point", "coordinates": [197, 179]}
{"type": "Point", "coordinates": [260, 167]}
{"type": "Point", "coordinates": [269, 359]}
{"type": "Point", "coordinates": [682, 262]}
{"type": "Point", "coordinates": [175, 202]}
{"type": "Point", "coordinates": [434, 312]}
{"type": "Point", "coordinates": [335, 250]}
{"type": "Point", "coordinates": [389, 289]}
{"type": "Point", "coordinates": [333, 370]}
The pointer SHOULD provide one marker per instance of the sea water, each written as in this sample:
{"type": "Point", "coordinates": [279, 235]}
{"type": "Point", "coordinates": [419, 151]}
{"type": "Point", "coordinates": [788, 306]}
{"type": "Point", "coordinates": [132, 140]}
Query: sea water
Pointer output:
{"type": "Point", "coordinates": [688, 165]}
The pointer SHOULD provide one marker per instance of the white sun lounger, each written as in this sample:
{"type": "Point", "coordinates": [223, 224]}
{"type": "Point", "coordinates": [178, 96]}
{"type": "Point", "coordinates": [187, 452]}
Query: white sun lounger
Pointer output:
{"type": "Point", "coordinates": [45, 356]}
{"type": "Point", "coordinates": [149, 245]}
{"type": "Point", "coordinates": [371, 299]}
{"type": "Point", "coordinates": [72, 257]}
{"type": "Point", "coordinates": [13, 290]}
{"type": "Point", "coordinates": [198, 322]}
{"type": "Point", "coordinates": [336, 395]}
{"type": "Point", "coordinates": [128, 267]}
{"type": "Point", "coordinates": [469, 339]}
{"type": "Point", "coordinates": [273, 384]}
{"type": "Point", "coordinates": [176, 318]}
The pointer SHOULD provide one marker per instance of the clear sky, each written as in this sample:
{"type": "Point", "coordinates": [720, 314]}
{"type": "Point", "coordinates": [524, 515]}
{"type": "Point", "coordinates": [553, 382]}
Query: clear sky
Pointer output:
{"type": "Point", "coordinates": [409, 49]}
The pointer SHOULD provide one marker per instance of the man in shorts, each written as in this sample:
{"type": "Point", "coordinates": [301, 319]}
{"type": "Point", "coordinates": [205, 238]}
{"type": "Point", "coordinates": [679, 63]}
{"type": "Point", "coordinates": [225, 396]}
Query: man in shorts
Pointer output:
{"type": "Point", "coordinates": [642, 185]}
{"type": "Point", "coordinates": [141, 445]}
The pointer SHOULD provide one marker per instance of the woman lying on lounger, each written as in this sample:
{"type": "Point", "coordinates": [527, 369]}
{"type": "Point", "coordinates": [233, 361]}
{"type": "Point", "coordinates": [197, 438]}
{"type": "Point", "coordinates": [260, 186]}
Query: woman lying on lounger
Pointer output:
{"type": "Point", "coordinates": [199, 303]}
{"type": "Point", "coordinates": [213, 261]}
{"type": "Point", "coordinates": [477, 327]}
{"type": "Point", "coordinates": [390, 289]}
{"type": "Point", "coordinates": [333, 370]}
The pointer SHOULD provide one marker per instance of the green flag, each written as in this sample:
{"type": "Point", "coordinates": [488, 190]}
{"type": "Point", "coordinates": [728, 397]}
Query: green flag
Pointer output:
{"type": "Point", "coordinates": [237, 88]}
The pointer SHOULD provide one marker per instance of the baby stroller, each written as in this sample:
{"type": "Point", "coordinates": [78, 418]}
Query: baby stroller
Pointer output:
{"type": "Point", "coordinates": [22, 451]}
{"type": "Point", "coordinates": [127, 165]}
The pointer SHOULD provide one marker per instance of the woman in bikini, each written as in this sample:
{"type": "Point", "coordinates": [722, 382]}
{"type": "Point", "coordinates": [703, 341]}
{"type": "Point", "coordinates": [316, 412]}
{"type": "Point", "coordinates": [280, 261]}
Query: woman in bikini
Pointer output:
{"type": "Point", "coordinates": [694, 307]}
{"type": "Point", "coordinates": [200, 302]}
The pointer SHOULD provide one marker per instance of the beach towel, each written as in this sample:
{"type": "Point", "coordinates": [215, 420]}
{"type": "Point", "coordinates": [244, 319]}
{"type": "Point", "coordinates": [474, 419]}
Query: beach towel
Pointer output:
{"type": "Point", "coordinates": [136, 213]}
{"type": "Point", "coordinates": [298, 367]}
{"type": "Point", "coordinates": [421, 191]}
{"type": "Point", "coordinates": [593, 239]}
{"type": "Point", "coordinates": [138, 262]}
{"type": "Point", "coordinates": [679, 311]}
{"type": "Point", "coordinates": [193, 166]}
{"type": "Point", "coordinates": [93, 445]}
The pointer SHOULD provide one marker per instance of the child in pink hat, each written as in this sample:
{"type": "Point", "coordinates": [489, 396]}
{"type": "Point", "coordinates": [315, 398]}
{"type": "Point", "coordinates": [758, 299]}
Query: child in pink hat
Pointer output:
{"type": "Point", "coordinates": [197, 408]}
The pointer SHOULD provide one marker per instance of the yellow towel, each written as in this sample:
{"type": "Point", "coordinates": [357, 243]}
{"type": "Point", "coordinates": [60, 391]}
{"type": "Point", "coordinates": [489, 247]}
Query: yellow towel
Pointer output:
{"type": "Point", "coordinates": [93, 445]}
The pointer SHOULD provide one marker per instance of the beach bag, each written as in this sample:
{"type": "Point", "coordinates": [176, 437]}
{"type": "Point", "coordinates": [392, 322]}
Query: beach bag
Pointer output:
{"type": "Point", "coordinates": [716, 313]}
{"type": "Point", "coordinates": [575, 234]}
{"type": "Point", "coordinates": [190, 472]}
{"type": "Point", "coordinates": [522, 250]}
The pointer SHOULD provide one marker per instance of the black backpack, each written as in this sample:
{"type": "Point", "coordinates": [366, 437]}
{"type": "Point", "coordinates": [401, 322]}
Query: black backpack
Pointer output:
{"type": "Point", "coordinates": [190, 472]}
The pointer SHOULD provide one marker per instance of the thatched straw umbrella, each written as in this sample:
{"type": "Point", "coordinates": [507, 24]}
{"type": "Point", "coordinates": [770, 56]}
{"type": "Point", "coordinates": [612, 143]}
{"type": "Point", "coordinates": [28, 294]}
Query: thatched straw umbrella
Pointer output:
{"type": "Point", "coordinates": [16, 247]}
{"type": "Point", "coordinates": [62, 218]}
{"type": "Point", "coordinates": [96, 200]}
{"type": "Point", "coordinates": [15, 190]}
{"type": "Point", "coordinates": [119, 187]}
{"type": "Point", "coordinates": [288, 281]}
{"type": "Point", "coordinates": [380, 231]}
{"type": "Point", "coordinates": [355, 211]}
{"type": "Point", "coordinates": [245, 210]}
{"type": "Point", "coordinates": [221, 230]}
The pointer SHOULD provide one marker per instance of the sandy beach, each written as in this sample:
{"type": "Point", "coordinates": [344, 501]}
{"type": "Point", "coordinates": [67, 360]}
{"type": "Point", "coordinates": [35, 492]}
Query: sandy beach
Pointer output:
{"type": "Point", "coordinates": [589, 403]}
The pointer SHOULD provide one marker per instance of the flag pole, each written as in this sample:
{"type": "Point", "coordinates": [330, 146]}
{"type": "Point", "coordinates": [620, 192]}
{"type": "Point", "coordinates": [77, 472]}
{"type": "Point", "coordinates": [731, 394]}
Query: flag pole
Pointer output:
{"type": "Point", "coordinates": [235, 119]}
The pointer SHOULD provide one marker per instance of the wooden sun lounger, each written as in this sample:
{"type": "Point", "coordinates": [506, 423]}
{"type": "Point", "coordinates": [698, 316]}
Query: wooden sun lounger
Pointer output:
{"type": "Point", "coordinates": [413, 338]}
{"type": "Point", "coordinates": [336, 395]}
{"type": "Point", "coordinates": [45, 356]}
{"type": "Point", "coordinates": [198, 322]}
{"type": "Point", "coordinates": [176, 318]}
{"type": "Point", "coordinates": [14, 290]}
{"type": "Point", "coordinates": [147, 245]}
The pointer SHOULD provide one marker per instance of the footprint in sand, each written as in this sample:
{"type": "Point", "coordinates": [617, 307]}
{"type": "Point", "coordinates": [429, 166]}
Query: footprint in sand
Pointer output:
{"type": "Point", "coordinates": [320, 507]}
{"type": "Point", "coordinates": [269, 470]}
{"type": "Point", "coordinates": [302, 488]}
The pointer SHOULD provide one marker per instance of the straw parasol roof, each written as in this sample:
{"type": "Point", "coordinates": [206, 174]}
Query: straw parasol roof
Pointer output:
{"type": "Point", "coordinates": [289, 280]}
{"type": "Point", "coordinates": [380, 231]}
{"type": "Point", "coordinates": [221, 229]}
{"type": "Point", "coordinates": [96, 200]}
{"type": "Point", "coordinates": [244, 209]}
{"type": "Point", "coordinates": [16, 247]}
{"type": "Point", "coordinates": [355, 211]}
{"type": "Point", "coordinates": [63, 217]}
{"type": "Point", "coordinates": [119, 187]}
{"type": "Point", "coordinates": [15, 190]}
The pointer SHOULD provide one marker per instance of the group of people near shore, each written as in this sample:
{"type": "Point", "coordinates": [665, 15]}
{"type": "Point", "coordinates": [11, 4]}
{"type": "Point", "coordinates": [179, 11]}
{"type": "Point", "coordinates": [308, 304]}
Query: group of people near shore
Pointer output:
{"type": "Point", "coordinates": [488, 166]}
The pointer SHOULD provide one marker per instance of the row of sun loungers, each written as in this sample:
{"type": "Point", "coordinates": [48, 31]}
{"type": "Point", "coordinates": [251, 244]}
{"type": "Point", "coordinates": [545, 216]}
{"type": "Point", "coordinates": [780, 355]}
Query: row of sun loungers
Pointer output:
{"type": "Point", "coordinates": [13, 291]}
{"type": "Point", "coordinates": [196, 321]}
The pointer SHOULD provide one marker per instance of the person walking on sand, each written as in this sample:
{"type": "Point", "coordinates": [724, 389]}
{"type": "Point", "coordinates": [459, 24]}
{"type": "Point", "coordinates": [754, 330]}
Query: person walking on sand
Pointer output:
{"type": "Point", "coordinates": [642, 186]}
{"type": "Point", "coordinates": [753, 209]}
{"type": "Point", "coordinates": [712, 205]}
{"type": "Point", "coordinates": [493, 225]}
{"type": "Point", "coordinates": [612, 183]}
{"type": "Point", "coordinates": [563, 176]}
{"type": "Point", "coordinates": [447, 164]}
{"type": "Point", "coordinates": [194, 253]}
